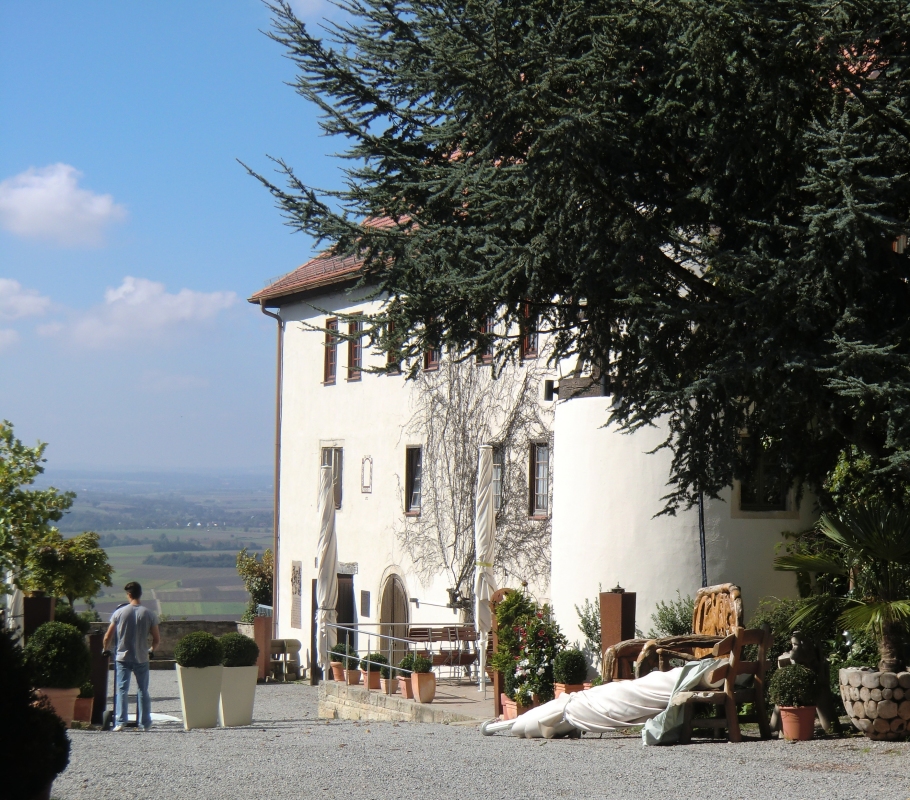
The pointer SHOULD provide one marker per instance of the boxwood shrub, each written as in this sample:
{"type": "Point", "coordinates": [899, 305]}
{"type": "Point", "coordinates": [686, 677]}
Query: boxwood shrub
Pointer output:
{"type": "Point", "coordinates": [238, 650]}
{"type": "Point", "coordinates": [346, 654]}
{"type": "Point", "coordinates": [570, 666]}
{"type": "Point", "coordinates": [198, 649]}
{"type": "Point", "coordinates": [422, 664]}
{"type": "Point", "coordinates": [793, 685]}
{"type": "Point", "coordinates": [376, 659]}
{"type": "Point", "coordinates": [57, 656]}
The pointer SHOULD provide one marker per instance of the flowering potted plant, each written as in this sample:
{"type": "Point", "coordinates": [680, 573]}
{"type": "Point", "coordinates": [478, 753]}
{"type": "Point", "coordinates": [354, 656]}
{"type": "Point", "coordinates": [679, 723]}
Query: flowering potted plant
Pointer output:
{"type": "Point", "coordinates": [60, 663]}
{"type": "Point", "coordinates": [198, 656]}
{"type": "Point", "coordinates": [423, 679]}
{"type": "Point", "coordinates": [570, 668]}
{"type": "Point", "coordinates": [372, 669]}
{"type": "Point", "coordinates": [792, 689]}
{"type": "Point", "coordinates": [540, 640]}
{"type": "Point", "coordinates": [404, 679]}
{"type": "Point", "coordinates": [240, 655]}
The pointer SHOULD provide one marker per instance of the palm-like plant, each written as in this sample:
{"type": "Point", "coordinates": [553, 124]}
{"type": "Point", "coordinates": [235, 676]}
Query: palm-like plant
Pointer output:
{"type": "Point", "coordinates": [871, 546]}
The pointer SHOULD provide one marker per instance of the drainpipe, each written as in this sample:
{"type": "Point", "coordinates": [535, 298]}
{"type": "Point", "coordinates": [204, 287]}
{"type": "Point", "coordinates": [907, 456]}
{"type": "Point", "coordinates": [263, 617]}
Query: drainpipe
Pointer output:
{"type": "Point", "coordinates": [279, 371]}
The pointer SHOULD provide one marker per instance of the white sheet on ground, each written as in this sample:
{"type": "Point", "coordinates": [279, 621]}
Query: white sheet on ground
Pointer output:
{"type": "Point", "coordinates": [620, 704]}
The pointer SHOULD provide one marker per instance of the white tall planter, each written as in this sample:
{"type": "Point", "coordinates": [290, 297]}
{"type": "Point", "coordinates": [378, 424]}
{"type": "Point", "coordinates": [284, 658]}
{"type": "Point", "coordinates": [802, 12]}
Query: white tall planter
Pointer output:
{"type": "Point", "coordinates": [238, 691]}
{"type": "Point", "coordinates": [200, 689]}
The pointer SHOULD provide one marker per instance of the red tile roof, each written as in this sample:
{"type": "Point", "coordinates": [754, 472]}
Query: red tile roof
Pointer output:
{"type": "Point", "coordinates": [323, 270]}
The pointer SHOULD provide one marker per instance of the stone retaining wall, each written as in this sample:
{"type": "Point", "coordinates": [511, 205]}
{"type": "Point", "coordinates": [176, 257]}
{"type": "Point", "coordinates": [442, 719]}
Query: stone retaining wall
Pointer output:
{"type": "Point", "coordinates": [340, 701]}
{"type": "Point", "coordinates": [878, 702]}
{"type": "Point", "coordinates": [173, 631]}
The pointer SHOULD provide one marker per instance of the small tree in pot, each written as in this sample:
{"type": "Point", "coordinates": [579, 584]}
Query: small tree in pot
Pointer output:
{"type": "Point", "coordinates": [238, 679]}
{"type": "Point", "coordinates": [570, 668]}
{"type": "Point", "coordinates": [371, 665]}
{"type": "Point", "coordinates": [199, 670]}
{"type": "Point", "coordinates": [388, 683]}
{"type": "Point", "coordinates": [82, 711]}
{"type": "Point", "coordinates": [423, 679]}
{"type": "Point", "coordinates": [404, 678]}
{"type": "Point", "coordinates": [337, 661]}
{"type": "Point", "coordinates": [793, 689]}
{"type": "Point", "coordinates": [60, 663]}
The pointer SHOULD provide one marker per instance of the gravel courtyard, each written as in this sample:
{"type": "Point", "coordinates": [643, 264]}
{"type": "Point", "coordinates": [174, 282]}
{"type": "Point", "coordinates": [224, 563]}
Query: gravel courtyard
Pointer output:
{"type": "Point", "coordinates": [290, 753]}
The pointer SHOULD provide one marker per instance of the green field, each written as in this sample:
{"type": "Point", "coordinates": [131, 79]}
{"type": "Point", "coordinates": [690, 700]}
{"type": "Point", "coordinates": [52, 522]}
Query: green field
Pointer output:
{"type": "Point", "coordinates": [203, 609]}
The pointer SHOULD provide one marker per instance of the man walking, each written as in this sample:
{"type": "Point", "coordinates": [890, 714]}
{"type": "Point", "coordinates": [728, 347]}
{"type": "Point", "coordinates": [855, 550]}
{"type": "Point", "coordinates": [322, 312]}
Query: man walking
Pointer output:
{"type": "Point", "coordinates": [132, 624]}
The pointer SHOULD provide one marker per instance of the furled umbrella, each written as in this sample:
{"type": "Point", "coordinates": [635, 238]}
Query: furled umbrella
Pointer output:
{"type": "Point", "coordinates": [327, 569]}
{"type": "Point", "coordinates": [484, 540]}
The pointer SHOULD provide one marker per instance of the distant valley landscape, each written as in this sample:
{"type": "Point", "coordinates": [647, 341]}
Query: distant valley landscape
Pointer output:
{"type": "Point", "coordinates": [178, 534]}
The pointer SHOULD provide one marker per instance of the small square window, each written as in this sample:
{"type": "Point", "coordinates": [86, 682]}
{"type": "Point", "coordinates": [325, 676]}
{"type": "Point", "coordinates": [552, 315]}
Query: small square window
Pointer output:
{"type": "Point", "coordinates": [761, 490]}
{"type": "Point", "coordinates": [431, 359]}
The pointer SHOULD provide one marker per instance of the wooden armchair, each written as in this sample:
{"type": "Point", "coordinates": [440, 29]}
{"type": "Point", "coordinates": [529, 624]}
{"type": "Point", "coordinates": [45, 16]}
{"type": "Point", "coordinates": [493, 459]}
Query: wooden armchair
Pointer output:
{"type": "Point", "coordinates": [718, 612]}
{"type": "Point", "coordinates": [728, 698]}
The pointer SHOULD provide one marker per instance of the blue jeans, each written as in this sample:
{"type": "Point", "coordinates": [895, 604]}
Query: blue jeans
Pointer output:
{"type": "Point", "coordinates": [141, 671]}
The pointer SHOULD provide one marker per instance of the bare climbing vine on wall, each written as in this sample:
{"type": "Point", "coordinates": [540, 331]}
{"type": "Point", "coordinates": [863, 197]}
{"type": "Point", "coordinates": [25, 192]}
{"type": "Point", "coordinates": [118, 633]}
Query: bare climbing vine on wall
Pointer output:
{"type": "Point", "coordinates": [456, 409]}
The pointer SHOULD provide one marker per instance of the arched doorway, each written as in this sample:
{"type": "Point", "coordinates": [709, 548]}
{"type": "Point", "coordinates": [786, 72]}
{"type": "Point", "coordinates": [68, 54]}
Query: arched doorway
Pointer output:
{"type": "Point", "coordinates": [393, 617]}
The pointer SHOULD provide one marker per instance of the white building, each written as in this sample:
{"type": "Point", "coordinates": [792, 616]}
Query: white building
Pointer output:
{"type": "Point", "coordinates": [563, 475]}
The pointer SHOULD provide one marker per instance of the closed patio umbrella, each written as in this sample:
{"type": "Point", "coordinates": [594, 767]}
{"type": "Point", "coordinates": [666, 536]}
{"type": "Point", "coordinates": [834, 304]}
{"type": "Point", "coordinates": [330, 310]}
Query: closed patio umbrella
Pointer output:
{"type": "Point", "coordinates": [327, 569]}
{"type": "Point", "coordinates": [484, 540]}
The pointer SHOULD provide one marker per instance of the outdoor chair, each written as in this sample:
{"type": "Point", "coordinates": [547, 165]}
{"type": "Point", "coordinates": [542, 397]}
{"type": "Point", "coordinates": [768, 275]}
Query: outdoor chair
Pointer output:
{"type": "Point", "coordinates": [727, 699]}
{"type": "Point", "coordinates": [718, 611]}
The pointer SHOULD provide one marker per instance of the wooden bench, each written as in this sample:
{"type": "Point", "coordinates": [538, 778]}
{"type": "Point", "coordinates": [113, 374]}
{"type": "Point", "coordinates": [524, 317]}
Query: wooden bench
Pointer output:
{"type": "Point", "coordinates": [285, 659]}
{"type": "Point", "coordinates": [451, 646]}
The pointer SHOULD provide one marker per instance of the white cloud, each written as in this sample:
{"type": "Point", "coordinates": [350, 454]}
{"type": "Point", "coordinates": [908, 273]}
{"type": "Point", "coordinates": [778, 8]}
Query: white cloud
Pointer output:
{"type": "Point", "coordinates": [16, 302]}
{"type": "Point", "coordinates": [8, 337]}
{"type": "Point", "coordinates": [140, 309]}
{"type": "Point", "coordinates": [47, 203]}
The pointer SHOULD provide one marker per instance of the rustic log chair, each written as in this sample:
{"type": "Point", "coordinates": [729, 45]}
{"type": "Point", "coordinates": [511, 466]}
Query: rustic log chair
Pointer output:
{"type": "Point", "coordinates": [718, 612]}
{"type": "Point", "coordinates": [731, 696]}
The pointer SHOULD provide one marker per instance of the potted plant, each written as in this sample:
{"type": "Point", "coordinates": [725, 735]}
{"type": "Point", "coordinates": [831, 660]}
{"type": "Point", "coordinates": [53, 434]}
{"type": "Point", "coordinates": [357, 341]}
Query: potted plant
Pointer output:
{"type": "Point", "coordinates": [238, 679]}
{"type": "Point", "coordinates": [423, 679]}
{"type": "Point", "coordinates": [570, 668]}
{"type": "Point", "coordinates": [35, 748]}
{"type": "Point", "coordinates": [336, 661]}
{"type": "Point", "coordinates": [60, 663]}
{"type": "Point", "coordinates": [82, 712]}
{"type": "Point", "coordinates": [388, 683]}
{"type": "Point", "coordinates": [792, 689]}
{"type": "Point", "coordinates": [198, 656]}
{"type": "Point", "coordinates": [371, 666]}
{"type": "Point", "coordinates": [351, 663]}
{"type": "Point", "coordinates": [867, 547]}
{"type": "Point", "coordinates": [404, 679]}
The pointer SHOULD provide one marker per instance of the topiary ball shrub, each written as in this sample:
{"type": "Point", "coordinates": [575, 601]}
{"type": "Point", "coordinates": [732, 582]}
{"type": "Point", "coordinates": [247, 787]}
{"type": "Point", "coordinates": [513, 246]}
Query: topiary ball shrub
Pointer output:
{"type": "Point", "coordinates": [570, 667]}
{"type": "Point", "coordinates": [57, 657]}
{"type": "Point", "coordinates": [421, 664]}
{"type": "Point", "coordinates": [791, 686]}
{"type": "Point", "coordinates": [198, 649]}
{"type": "Point", "coordinates": [86, 690]}
{"type": "Point", "coordinates": [65, 613]}
{"type": "Point", "coordinates": [406, 665]}
{"type": "Point", "coordinates": [238, 650]}
{"type": "Point", "coordinates": [372, 661]}
{"type": "Point", "coordinates": [346, 654]}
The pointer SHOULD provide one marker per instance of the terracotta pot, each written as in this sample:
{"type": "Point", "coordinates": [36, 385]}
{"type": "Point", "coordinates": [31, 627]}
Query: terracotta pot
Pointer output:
{"type": "Point", "coordinates": [512, 709]}
{"type": "Point", "coordinates": [63, 701]}
{"type": "Point", "coordinates": [82, 712]}
{"type": "Point", "coordinates": [352, 677]}
{"type": "Point", "coordinates": [798, 722]}
{"type": "Point", "coordinates": [337, 671]}
{"type": "Point", "coordinates": [404, 684]}
{"type": "Point", "coordinates": [586, 685]}
{"type": "Point", "coordinates": [424, 686]}
{"type": "Point", "coordinates": [388, 685]}
{"type": "Point", "coordinates": [371, 679]}
{"type": "Point", "coordinates": [567, 688]}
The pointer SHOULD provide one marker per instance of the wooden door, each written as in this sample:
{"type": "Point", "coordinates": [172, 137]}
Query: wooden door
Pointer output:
{"type": "Point", "coordinates": [345, 608]}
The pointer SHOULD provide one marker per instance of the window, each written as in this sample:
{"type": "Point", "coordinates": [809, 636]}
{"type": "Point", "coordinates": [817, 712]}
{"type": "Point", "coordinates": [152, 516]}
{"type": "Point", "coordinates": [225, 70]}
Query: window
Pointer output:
{"type": "Point", "coordinates": [333, 457]}
{"type": "Point", "coordinates": [498, 465]}
{"type": "Point", "coordinates": [331, 351]}
{"type": "Point", "coordinates": [412, 479]}
{"type": "Point", "coordinates": [393, 357]}
{"type": "Point", "coordinates": [485, 356]}
{"type": "Point", "coordinates": [540, 479]}
{"type": "Point", "coordinates": [355, 350]}
{"type": "Point", "coordinates": [432, 358]}
{"type": "Point", "coordinates": [760, 491]}
{"type": "Point", "coordinates": [529, 343]}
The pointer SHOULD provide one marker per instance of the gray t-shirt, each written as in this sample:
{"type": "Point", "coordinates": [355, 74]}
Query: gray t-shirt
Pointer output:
{"type": "Point", "coordinates": [133, 626]}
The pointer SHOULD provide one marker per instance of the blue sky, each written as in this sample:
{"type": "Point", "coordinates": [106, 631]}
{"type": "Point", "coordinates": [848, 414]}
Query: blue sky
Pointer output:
{"type": "Point", "coordinates": [130, 237]}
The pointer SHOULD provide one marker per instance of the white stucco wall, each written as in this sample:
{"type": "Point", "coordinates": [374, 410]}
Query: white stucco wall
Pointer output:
{"type": "Point", "coordinates": [606, 492]}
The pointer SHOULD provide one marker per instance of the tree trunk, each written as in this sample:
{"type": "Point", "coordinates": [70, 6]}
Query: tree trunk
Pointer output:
{"type": "Point", "coordinates": [889, 648]}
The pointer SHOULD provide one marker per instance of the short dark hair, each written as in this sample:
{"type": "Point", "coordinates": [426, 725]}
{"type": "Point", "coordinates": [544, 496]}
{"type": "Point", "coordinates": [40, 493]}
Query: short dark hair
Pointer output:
{"type": "Point", "coordinates": [133, 589]}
